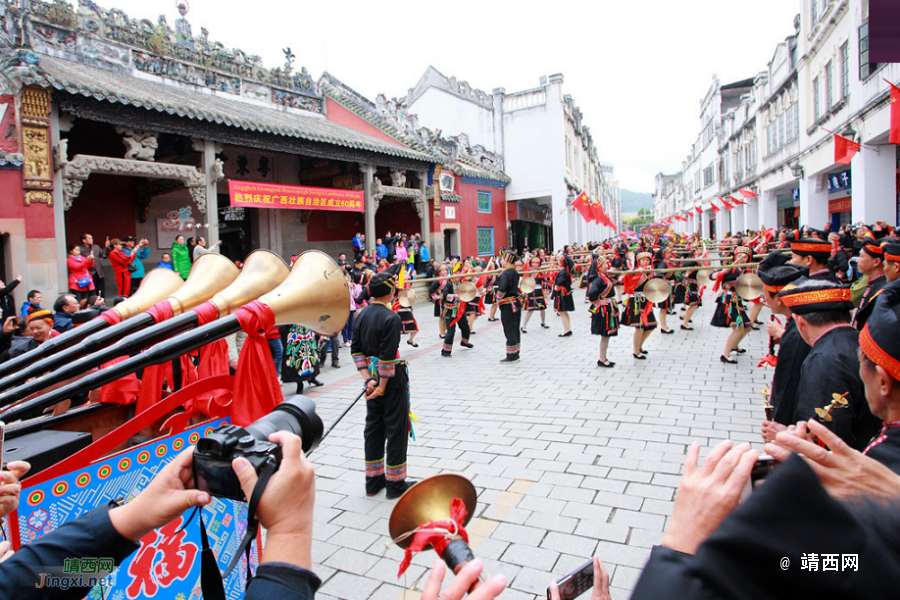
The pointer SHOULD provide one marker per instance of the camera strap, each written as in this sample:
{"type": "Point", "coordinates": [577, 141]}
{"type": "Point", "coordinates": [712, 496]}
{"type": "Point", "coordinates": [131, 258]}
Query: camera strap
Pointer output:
{"type": "Point", "coordinates": [211, 579]}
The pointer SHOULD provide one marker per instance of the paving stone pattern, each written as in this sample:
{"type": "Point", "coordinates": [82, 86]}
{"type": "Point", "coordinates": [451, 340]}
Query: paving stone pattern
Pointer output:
{"type": "Point", "coordinates": [569, 460]}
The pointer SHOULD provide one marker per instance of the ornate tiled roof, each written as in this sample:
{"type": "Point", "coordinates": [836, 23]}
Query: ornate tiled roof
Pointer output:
{"type": "Point", "coordinates": [115, 87]}
{"type": "Point", "coordinates": [391, 117]}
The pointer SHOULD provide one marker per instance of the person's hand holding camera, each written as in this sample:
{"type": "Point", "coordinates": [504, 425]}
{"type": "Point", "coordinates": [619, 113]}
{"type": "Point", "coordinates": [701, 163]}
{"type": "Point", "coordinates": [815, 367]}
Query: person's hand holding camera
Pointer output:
{"type": "Point", "coordinates": [844, 472]}
{"type": "Point", "coordinates": [286, 506]}
{"type": "Point", "coordinates": [468, 575]}
{"type": "Point", "coordinates": [10, 488]}
{"type": "Point", "coordinates": [166, 498]}
{"type": "Point", "coordinates": [708, 493]}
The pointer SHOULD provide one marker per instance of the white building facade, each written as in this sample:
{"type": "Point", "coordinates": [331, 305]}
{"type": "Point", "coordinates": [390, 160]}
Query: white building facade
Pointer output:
{"type": "Point", "coordinates": [547, 151]}
{"type": "Point", "coordinates": [777, 141]}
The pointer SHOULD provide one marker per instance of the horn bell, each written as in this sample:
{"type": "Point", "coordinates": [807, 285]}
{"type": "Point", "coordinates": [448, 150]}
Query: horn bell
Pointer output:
{"type": "Point", "coordinates": [429, 500]}
{"type": "Point", "coordinates": [314, 295]}
{"type": "Point", "coordinates": [210, 274]}
{"type": "Point", "coordinates": [263, 271]}
{"type": "Point", "coordinates": [158, 285]}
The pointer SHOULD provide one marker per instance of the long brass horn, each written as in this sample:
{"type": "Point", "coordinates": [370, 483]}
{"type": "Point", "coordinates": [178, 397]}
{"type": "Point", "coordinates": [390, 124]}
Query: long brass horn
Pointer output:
{"type": "Point", "coordinates": [314, 295]}
{"type": "Point", "coordinates": [157, 286]}
{"type": "Point", "coordinates": [209, 274]}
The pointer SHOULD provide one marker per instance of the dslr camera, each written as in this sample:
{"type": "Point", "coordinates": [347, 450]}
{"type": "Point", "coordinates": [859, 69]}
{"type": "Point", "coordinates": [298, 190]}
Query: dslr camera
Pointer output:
{"type": "Point", "coordinates": [214, 453]}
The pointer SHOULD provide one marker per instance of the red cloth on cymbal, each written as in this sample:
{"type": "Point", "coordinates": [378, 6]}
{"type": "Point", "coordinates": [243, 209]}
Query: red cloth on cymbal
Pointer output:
{"type": "Point", "coordinates": [161, 311]}
{"type": "Point", "coordinates": [769, 360]}
{"type": "Point", "coordinates": [256, 388]}
{"type": "Point", "coordinates": [124, 390]}
{"type": "Point", "coordinates": [111, 317]}
{"type": "Point", "coordinates": [438, 539]}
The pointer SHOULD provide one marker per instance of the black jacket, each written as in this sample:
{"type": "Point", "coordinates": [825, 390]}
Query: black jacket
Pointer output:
{"type": "Point", "coordinates": [93, 535]}
{"type": "Point", "coordinates": [7, 302]}
{"type": "Point", "coordinates": [792, 351]}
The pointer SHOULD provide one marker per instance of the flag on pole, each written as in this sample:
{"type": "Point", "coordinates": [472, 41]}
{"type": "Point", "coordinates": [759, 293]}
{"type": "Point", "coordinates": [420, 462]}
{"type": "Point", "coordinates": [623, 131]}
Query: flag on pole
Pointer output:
{"type": "Point", "coordinates": [736, 201]}
{"type": "Point", "coordinates": [844, 149]}
{"type": "Point", "coordinates": [726, 204]}
{"type": "Point", "coordinates": [597, 212]}
{"type": "Point", "coordinates": [714, 208]}
{"type": "Point", "coordinates": [699, 210]}
{"type": "Point", "coordinates": [747, 193]}
{"type": "Point", "coordinates": [581, 205]}
{"type": "Point", "coordinates": [895, 114]}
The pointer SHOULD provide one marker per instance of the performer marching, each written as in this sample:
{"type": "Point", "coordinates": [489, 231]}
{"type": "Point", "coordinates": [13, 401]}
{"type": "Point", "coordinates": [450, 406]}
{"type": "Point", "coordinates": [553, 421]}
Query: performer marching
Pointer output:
{"type": "Point", "coordinates": [638, 310]}
{"type": "Point", "coordinates": [376, 353]}
{"type": "Point", "coordinates": [662, 256]}
{"type": "Point", "coordinates": [510, 300]}
{"type": "Point", "coordinates": [407, 319]}
{"type": "Point", "coordinates": [730, 310]}
{"type": "Point", "coordinates": [603, 309]}
{"type": "Point", "coordinates": [436, 290]}
{"type": "Point", "coordinates": [535, 300]}
{"type": "Point", "coordinates": [692, 296]}
{"type": "Point", "coordinates": [454, 312]}
{"type": "Point", "coordinates": [563, 302]}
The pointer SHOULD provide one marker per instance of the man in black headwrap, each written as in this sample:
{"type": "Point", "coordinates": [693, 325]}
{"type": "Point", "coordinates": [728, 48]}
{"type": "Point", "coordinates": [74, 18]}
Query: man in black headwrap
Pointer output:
{"type": "Point", "coordinates": [510, 300]}
{"type": "Point", "coordinates": [870, 264]}
{"type": "Point", "coordinates": [813, 254]}
{"type": "Point", "coordinates": [376, 353]}
{"type": "Point", "coordinates": [831, 370]}
{"type": "Point", "coordinates": [775, 274]}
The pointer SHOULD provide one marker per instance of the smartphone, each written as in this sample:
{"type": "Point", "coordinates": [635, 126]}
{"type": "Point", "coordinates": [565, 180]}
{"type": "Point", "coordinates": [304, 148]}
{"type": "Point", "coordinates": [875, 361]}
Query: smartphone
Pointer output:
{"type": "Point", "coordinates": [2, 435]}
{"type": "Point", "coordinates": [761, 469]}
{"type": "Point", "coordinates": [576, 583]}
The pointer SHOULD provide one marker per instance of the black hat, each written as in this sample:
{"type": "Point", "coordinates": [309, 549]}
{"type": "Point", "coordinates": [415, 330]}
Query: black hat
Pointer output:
{"type": "Point", "coordinates": [384, 283]}
{"type": "Point", "coordinates": [878, 339]}
{"type": "Point", "coordinates": [892, 251]}
{"type": "Point", "coordinates": [83, 316]}
{"type": "Point", "coordinates": [872, 247]}
{"type": "Point", "coordinates": [510, 256]}
{"type": "Point", "coordinates": [808, 296]}
{"type": "Point", "coordinates": [129, 238]}
{"type": "Point", "coordinates": [818, 249]}
{"type": "Point", "coordinates": [775, 272]}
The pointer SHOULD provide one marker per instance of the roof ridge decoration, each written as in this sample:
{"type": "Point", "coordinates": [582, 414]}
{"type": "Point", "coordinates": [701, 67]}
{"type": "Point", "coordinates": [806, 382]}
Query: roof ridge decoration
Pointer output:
{"type": "Point", "coordinates": [455, 153]}
{"type": "Point", "coordinates": [109, 39]}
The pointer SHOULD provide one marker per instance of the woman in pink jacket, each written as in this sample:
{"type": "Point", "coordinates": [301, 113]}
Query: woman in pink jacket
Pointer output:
{"type": "Point", "coordinates": [80, 282]}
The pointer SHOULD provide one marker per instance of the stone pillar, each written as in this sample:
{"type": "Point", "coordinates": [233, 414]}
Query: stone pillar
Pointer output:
{"type": "Point", "coordinates": [751, 214]}
{"type": "Point", "coordinates": [368, 172]}
{"type": "Point", "coordinates": [814, 201]}
{"type": "Point", "coordinates": [767, 209]}
{"type": "Point", "coordinates": [59, 214]}
{"type": "Point", "coordinates": [704, 224]}
{"type": "Point", "coordinates": [211, 172]}
{"type": "Point", "coordinates": [737, 218]}
{"type": "Point", "coordinates": [425, 217]}
{"type": "Point", "coordinates": [873, 179]}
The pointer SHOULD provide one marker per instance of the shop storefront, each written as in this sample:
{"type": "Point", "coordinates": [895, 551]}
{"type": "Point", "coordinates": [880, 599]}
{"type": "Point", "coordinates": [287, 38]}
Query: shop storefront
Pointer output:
{"type": "Point", "coordinates": [529, 225]}
{"type": "Point", "coordinates": [839, 199]}
{"type": "Point", "coordinates": [789, 209]}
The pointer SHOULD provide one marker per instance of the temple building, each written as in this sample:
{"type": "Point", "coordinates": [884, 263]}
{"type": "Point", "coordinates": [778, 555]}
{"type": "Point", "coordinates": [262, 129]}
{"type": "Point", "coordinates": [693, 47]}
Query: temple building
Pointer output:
{"type": "Point", "coordinates": [117, 126]}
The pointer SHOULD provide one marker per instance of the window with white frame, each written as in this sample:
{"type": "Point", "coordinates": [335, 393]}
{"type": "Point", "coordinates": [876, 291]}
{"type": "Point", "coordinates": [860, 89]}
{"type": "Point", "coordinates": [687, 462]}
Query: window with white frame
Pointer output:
{"type": "Point", "coordinates": [815, 93]}
{"type": "Point", "coordinates": [709, 176]}
{"type": "Point", "coordinates": [845, 71]}
{"type": "Point", "coordinates": [866, 68]}
{"type": "Point", "coordinates": [829, 80]}
{"type": "Point", "coordinates": [814, 11]}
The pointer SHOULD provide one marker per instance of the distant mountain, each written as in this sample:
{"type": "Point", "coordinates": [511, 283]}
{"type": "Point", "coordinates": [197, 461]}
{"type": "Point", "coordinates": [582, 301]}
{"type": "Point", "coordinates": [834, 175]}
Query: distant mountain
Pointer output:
{"type": "Point", "coordinates": [635, 201]}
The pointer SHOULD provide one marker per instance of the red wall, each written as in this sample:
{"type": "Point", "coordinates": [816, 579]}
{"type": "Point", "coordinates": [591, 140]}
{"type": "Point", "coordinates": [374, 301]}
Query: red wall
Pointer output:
{"type": "Point", "coordinates": [470, 219]}
{"type": "Point", "coordinates": [117, 219]}
{"type": "Point", "coordinates": [333, 225]}
{"type": "Point", "coordinates": [12, 199]}
{"type": "Point", "coordinates": [399, 216]}
{"type": "Point", "coordinates": [340, 115]}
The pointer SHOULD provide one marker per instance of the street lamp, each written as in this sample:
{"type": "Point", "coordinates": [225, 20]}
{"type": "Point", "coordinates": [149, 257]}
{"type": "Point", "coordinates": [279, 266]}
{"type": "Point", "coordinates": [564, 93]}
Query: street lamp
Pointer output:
{"type": "Point", "coordinates": [796, 169]}
{"type": "Point", "coordinates": [849, 133]}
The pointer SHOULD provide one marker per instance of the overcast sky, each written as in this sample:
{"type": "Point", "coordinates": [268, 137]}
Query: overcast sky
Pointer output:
{"type": "Point", "coordinates": [637, 68]}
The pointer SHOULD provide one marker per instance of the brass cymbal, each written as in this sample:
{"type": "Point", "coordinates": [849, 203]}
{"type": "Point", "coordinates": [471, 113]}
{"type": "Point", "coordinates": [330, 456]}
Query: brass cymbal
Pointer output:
{"type": "Point", "coordinates": [429, 500]}
{"type": "Point", "coordinates": [406, 298]}
{"type": "Point", "coordinates": [527, 285]}
{"type": "Point", "coordinates": [467, 291]}
{"type": "Point", "coordinates": [704, 277]}
{"type": "Point", "coordinates": [749, 286]}
{"type": "Point", "coordinates": [656, 290]}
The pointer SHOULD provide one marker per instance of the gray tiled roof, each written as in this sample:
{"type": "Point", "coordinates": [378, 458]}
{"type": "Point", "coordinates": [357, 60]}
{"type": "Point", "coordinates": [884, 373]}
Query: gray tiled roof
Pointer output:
{"type": "Point", "coordinates": [109, 86]}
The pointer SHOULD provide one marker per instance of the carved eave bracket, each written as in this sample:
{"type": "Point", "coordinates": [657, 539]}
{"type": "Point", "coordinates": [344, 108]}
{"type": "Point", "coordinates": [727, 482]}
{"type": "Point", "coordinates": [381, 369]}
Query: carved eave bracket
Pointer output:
{"type": "Point", "coordinates": [379, 191]}
{"type": "Point", "coordinates": [80, 168]}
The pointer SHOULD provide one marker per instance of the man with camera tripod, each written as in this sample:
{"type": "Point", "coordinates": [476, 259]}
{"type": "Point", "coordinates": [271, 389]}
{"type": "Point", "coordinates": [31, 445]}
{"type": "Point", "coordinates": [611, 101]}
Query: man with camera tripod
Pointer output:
{"type": "Point", "coordinates": [376, 352]}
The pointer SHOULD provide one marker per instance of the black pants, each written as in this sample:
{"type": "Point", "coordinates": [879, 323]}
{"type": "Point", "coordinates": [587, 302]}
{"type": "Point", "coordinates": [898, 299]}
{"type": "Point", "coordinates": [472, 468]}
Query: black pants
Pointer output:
{"type": "Point", "coordinates": [451, 332]}
{"type": "Point", "coordinates": [135, 284]}
{"type": "Point", "coordinates": [387, 420]}
{"type": "Point", "coordinates": [511, 318]}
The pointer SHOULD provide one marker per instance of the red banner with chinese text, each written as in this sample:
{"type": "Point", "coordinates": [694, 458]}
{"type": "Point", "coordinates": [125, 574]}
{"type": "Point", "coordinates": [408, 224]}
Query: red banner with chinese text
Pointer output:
{"type": "Point", "coordinates": [266, 195]}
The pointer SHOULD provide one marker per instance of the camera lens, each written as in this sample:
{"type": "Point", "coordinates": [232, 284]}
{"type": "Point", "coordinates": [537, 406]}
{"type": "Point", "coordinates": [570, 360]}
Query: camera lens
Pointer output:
{"type": "Point", "coordinates": [297, 415]}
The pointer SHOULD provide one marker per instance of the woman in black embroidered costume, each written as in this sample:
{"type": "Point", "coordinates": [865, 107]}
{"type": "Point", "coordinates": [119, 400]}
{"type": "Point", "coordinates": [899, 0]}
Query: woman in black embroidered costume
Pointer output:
{"type": "Point", "coordinates": [730, 310]}
{"type": "Point", "coordinates": [603, 309]}
{"type": "Point", "coordinates": [535, 300]}
{"type": "Point", "coordinates": [638, 310]}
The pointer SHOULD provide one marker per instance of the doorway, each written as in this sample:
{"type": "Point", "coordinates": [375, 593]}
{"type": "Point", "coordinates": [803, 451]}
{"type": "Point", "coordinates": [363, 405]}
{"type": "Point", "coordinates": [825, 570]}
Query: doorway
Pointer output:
{"type": "Point", "coordinates": [451, 242]}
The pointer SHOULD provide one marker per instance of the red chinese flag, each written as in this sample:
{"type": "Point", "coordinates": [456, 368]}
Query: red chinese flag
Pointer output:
{"type": "Point", "coordinates": [699, 210]}
{"type": "Point", "coordinates": [736, 201]}
{"type": "Point", "coordinates": [581, 205]}
{"type": "Point", "coordinates": [747, 193]}
{"type": "Point", "coordinates": [597, 211]}
{"type": "Point", "coordinates": [895, 114]}
{"type": "Point", "coordinates": [844, 149]}
{"type": "Point", "coordinates": [714, 208]}
{"type": "Point", "coordinates": [725, 204]}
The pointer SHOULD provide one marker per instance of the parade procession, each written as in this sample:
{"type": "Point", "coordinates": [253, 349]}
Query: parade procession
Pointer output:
{"type": "Point", "coordinates": [269, 336]}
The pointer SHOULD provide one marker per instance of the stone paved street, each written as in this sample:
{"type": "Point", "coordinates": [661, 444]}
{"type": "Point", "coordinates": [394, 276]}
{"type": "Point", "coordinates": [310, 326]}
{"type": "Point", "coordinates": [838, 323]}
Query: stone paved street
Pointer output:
{"type": "Point", "coordinates": [570, 460]}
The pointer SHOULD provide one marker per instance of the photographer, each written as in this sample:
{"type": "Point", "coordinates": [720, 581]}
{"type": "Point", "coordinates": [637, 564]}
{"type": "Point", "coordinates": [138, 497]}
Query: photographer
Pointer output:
{"type": "Point", "coordinates": [285, 509]}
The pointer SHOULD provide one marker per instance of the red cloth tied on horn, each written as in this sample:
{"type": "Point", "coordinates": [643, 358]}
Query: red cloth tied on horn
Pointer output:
{"type": "Point", "coordinates": [426, 534]}
{"type": "Point", "coordinates": [111, 317]}
{"type": "Point", "coordinates": [213, 361]}
{"type": "Point", "coordinates": [769, 360]}
{"type": "Point", "coordinates": [256, 388]}
{"type": "Point", "coordinates": [124, 390]}
{"type": "Point", "coordinates": [156, 376]}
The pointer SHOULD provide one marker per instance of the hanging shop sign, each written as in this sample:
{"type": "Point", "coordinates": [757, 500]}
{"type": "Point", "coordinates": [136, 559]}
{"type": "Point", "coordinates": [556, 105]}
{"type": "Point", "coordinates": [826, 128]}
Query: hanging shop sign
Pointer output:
{"type": "Point", "coordinates": [840, 205]}
{"type": "Point", "coordinates": [250, 194]}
